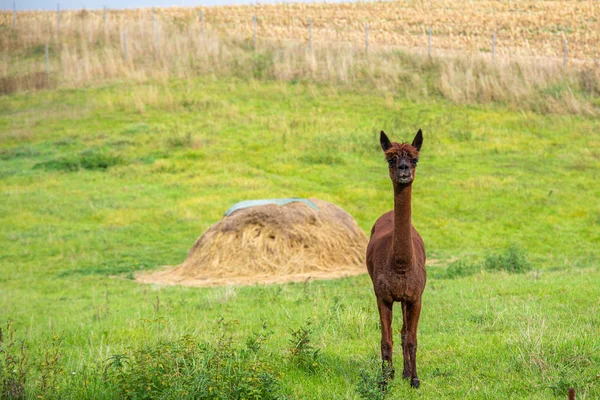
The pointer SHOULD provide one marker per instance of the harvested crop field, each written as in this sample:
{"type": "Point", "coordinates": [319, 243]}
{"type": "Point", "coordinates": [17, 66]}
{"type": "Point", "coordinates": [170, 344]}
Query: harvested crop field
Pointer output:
{"type": "Point", "coordinates": [533, 28]}
{"type": "Point", "coordinates": [526, 28]}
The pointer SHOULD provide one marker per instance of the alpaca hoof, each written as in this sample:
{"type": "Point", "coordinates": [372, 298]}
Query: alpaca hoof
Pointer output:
{"type": "Point", "coordinates": [415, 382]}
{"type": "Point", "coordinates": [405, 375]}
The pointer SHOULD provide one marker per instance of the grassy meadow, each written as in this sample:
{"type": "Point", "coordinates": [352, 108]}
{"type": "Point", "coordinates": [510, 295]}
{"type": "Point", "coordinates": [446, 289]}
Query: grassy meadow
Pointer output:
{"type": "Point", "coordinates": [100, 183]}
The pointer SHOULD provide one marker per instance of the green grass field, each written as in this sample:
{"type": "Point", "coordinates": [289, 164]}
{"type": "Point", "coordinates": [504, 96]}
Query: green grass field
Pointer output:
{"type": "Point", "coordinates": [100, 183]}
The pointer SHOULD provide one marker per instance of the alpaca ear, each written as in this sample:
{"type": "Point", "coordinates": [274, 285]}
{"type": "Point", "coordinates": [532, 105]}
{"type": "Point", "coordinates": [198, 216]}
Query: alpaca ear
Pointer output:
{"type": "Point", "coordinates": [385, 141]}
{"type": "Point", "coordinates": [418, 141]}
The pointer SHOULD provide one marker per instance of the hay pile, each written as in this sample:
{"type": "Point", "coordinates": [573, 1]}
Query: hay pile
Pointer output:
{"type": "Point", "coordinates": [273, 243]}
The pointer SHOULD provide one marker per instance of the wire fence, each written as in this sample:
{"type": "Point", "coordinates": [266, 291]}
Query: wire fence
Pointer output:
{"type": "Point", "coordinates": [153, 33]}
{"type": "Point", "coordinates": [376, 33]}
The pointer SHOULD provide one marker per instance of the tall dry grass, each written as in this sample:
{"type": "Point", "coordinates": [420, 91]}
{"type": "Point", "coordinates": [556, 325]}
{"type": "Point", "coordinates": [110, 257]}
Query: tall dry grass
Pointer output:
{"type": "Point", "coordinates": [86, 50]}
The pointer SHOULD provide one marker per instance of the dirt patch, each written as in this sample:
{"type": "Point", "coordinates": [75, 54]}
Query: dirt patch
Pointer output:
{"type": "Point", "coordinates": [165, 277]}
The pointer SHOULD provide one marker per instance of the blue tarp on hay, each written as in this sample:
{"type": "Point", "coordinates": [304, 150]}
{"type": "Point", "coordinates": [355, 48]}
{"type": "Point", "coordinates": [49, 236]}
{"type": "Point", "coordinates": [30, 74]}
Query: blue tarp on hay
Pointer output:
{"type": "Point", "coordinates": [281, 202]}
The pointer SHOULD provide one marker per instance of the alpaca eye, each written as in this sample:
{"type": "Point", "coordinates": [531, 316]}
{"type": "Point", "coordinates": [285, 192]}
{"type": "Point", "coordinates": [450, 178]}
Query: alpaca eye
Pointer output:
{"type": "Point", "coordinates": [415, 161]}
{"type": "Point", "coordinates": [390, 162]}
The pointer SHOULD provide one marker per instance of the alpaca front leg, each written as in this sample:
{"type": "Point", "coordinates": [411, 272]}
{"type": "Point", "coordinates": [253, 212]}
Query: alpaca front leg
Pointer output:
{"type": "Point", "coordinates": [403, 337]}
{"type": "Point", "coordinates": [414, 312]}
{"type": "Point", "coordinates": [385, 317]}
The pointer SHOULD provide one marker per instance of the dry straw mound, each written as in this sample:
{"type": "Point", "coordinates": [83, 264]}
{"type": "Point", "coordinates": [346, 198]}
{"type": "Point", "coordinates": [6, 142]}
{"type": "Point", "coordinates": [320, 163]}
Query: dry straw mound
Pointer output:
{"type": "Point", "coordinates": [272, 243]}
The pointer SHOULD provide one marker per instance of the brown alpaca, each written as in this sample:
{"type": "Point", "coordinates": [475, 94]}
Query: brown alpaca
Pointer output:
{"type": "Point", "coordinates": [396, 259]}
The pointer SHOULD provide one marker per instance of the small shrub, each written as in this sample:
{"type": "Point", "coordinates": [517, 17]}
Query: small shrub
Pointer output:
{"type": "Point", "coordinates": [302, 352]}
{"type": "Point", "coordinates": [255, 341]}
{"type": "Point", "coordinates": [461, 268]}
{"type": "Point", "coordinates": [60, 164]}
{"type": "Point", "coordinates": [13, 364]}
{"type": "Point", "coordinates": [512, 260]}
{"type": "Point", "coordinates": [373, 384]}
{"type": "Point", "coordinates": [337, 308]}
{"type": "Point", "coordinates": [187, 369]}
{"type": "Point", "coordinates": [167, 167]}
{"type": "Point", "coordinates": [51, 369]}
{"type": "Point", "coordinates": [27, 81]}
{"type": "Point", "coordinates": [590, 80]}
{"type": "Point", "coordinates": [462, 135]}
{"type": "Point", "coordinates": [93, 160]}
{"type": "Point", "coordinates": [22, 376]}
{"type": "Point", "coordinates": [180, 140]}
{"type": "Point", "coordinates": [262, 65]}
{"type": "Point", "coordinates": [18, 152]}
{"type": "Point", "coordinates": [327, 158]}
{"type": "Point", "coordinates": [134, 129]}
{"type": "Point", "coordinates": [90, 160]}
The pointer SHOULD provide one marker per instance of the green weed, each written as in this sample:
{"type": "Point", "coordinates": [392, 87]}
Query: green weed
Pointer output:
{"type": "Point", "coordinates": [21, 373]}
{"type": "Point", "coordinates": [302, 352]}
{"type": "Point", "coordinates": [326, 158]}
{"type": "Point", "coordinates": [180, 140]}
{"type": "Point", "coordinates": [134, 129]}
{"type": "Point", "coordinates": [90, 160]}
{"type": "Point", "coordinates": [370, 384]}
{"type": "Point", "coordinates": [18, 152]}
{"type": "Point", "coordinates": [262, 65]}
{"type": "Point", "coordinates": [14, 364]}
{"type": "Point", "coordinates": [186, 368]}
{"type": "Point", "coordinates": [512, 260]}
{"type": "Point", "coordinates": [461, 268]}
{"type": "Point", "coordinates": [171, 369]}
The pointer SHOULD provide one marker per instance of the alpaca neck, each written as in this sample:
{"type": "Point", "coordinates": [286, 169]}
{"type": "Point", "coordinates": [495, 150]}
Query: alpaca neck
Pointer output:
{"type": "Point", "coordinates": [403, 252]}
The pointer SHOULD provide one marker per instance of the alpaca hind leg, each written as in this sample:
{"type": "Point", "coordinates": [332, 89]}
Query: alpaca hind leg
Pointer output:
{"type": "Point", "coordinates": [414, 312]}
{"type": "Point", "coordinates": [403, 333]}
{"type": "Point", "coordinates": [385, 316]}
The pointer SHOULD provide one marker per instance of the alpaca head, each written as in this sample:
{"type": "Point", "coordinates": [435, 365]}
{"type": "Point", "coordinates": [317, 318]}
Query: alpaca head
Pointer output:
{"type": "Point", "coordinates": [402, 158]}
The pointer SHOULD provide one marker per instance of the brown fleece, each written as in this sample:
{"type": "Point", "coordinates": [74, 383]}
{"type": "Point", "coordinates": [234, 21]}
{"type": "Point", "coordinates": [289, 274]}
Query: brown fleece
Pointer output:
{"type": "Point", "coordinates": [396, 263]}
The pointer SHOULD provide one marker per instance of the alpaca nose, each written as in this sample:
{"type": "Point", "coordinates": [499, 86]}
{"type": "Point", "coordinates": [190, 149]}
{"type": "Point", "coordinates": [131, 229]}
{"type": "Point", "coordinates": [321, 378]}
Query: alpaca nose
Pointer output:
{"type": "Point", "coordinates": [404, 169]}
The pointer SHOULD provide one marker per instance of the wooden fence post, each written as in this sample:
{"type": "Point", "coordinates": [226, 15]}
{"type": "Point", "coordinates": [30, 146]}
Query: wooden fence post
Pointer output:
{"type": "Point", "coordinates": [47, 65]}
{"type": "Point", "coordinates": [156, 37]}
{"type": "Point", "coordinates": [125, 45]}
{"type": "Point", "coordinates": [494, 48]}
{"type": "Point", "coordinates": [57, 16]}
{"type": "Point", "coordinates": [564, 52]}
{"type": "Point", "coordinates": [367, 38]}
{"type": "Point", "coordinates": [254, 22]}
{"type": "Point", "coordinates": [14, 14]}
{"type": "Point", "coordinates": [202, 21]}
{"type": "Point", "coordinates": [429, 43]}
{"type": "Point", "coordinates": [310, 47]}
{"type": "Point", "coordinates": [155, 24]}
